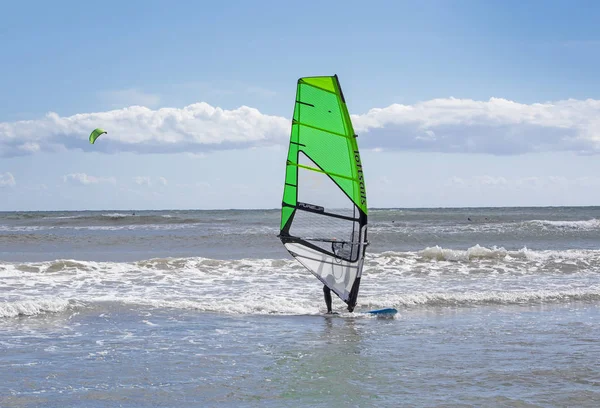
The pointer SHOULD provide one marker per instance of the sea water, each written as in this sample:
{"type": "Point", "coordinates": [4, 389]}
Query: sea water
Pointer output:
{"type": "Point", "coordinates": [496, 307]}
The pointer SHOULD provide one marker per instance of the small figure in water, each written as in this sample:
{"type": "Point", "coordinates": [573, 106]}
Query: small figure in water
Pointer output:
{"type": "Point", "coordinates": [327, 294]}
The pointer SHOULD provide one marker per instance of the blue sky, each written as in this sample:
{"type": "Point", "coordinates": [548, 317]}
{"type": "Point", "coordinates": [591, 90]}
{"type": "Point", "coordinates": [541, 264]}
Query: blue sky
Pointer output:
{"type": "Point", "coordinates": [457, 103]}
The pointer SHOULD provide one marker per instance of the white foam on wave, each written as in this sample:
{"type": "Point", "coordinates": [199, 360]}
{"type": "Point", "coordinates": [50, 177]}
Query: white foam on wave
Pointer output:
{"type": "Point", "coordinates": [495, 297]}
{"type": "Point", "coordinates": [475, 252]}
{"type": "Point", "coordinates": [432, 276]}
{"type": "Point", "coordinates": [22, 228]}
{"type": "Point", "coordinates": [32, 307]}
{"type": "Point", "coordinates": [483, 227]}
{"type": "Point", "coordinates": [201, 227]}
{"type": "Point", "coordinates": [116, 215]}
{"type": "Point", "coordinates": [132, 227]}
{"type": "Point", "coordinates": [487, 266]}
{"type": "Point", "coordinates": [254, 303]}
{"type": "Point", "coordinates": [478, 252]}
{"type": "Point", "coordinates": [581, 225]}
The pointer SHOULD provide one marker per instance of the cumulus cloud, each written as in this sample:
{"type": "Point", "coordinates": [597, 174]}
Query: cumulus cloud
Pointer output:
{"type": "Point", "coordinates": [7, 180]}
{"type": "Point", "coordinates": [85, 179]}
{"type": "Point", "coordinates": [195, 128]}
{"type": "Point", "coordinates": [497, 126]}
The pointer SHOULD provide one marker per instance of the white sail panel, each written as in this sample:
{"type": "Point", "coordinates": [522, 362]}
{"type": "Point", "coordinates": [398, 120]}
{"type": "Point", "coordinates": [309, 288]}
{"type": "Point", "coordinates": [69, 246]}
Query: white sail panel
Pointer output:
{"type": "Point", "coordinates": [339, 275]}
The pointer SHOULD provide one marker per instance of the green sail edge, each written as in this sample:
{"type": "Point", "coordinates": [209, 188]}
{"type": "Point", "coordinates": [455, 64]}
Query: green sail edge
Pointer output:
{"type": "Point", "coordinates": [316, 92]}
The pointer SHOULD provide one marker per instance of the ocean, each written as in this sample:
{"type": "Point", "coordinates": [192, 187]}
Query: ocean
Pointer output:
{"type": "Point", "coordinates": [497, 307]}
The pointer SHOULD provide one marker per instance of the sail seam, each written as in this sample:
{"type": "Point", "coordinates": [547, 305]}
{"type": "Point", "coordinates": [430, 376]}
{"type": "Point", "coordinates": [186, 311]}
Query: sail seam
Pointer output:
{"type": "Point", "coordinates": [295, 122]}
{"type": "Point", "coordinates": [305, 103]}
{"type": "Point", "coordinates": [321, 171]}
{"type": "Point", "coordinates": [318, 87]}
{"type": "Point", "coordinates": [308, 245]}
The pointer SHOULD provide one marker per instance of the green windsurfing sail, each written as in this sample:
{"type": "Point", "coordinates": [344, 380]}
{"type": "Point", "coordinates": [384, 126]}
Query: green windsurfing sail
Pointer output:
{"type": "Point", "coordinates": [95, 134]}
{"type": "Point", "coordinates": [324, 208]}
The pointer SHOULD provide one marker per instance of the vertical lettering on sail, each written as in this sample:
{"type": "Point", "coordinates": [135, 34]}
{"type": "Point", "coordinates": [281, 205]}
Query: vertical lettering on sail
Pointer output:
{"type": "Point", "coordinates": [361, 180]}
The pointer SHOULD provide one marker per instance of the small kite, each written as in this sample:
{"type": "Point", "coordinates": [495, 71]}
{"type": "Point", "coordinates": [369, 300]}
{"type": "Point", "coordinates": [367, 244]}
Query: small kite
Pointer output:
{"type": "Point", "coordinates": [95, 134]}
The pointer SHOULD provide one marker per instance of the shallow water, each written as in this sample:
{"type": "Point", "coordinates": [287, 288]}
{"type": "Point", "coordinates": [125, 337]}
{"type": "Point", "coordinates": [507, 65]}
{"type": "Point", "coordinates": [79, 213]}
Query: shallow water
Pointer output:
{"type": "Point", "coordinates": [121, 355]}
{"type": "Point", "coordinates": [206, 308]}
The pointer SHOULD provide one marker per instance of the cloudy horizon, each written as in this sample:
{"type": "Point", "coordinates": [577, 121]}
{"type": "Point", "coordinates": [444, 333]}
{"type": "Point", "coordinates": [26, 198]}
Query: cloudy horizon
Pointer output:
{"type": "Point", "coordinates": [448, 127]}
{"type": "Point", "coordinates": [452, 108]}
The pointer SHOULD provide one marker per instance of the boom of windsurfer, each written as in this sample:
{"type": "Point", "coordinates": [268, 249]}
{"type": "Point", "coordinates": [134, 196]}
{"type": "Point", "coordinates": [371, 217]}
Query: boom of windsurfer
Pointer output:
{"type": "Point", "coordinates": [327, 294]}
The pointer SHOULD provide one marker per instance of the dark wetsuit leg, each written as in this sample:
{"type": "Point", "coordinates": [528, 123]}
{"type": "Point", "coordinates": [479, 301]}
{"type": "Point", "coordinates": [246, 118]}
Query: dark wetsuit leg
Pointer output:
{"type": "Point", "coordinates": [327, 294]}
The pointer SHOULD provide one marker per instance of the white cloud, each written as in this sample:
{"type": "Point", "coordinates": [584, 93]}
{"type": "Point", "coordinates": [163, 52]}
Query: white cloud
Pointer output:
{"type": "Point", "coordinates": [7, 180]}
{"type": "Point", "coordinates": [496, 126]}
{"type": "Point", "coordinates": [142, 181]}
{"type": "Point", "coordinates": [85, 179]}
{"type": "Point", "coordinates": [491, 181]}
{"type": "Point", "coordinates": [195, 128]}
{"type": "Point", "coordinates": [29, 147]}
{"type": "Point", "coordinates": [147, 181]}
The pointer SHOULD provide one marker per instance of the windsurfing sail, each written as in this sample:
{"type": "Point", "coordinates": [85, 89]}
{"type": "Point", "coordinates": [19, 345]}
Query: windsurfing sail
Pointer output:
{"type": "Point", "coordinates": [95, 134]}
{"type": "Point", "coordinates": [324, 207]}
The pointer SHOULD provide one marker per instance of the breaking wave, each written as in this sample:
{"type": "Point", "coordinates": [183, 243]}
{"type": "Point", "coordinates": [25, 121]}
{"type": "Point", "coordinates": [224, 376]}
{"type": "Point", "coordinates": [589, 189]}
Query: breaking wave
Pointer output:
{"type": "Point", "coordinates": [433, 276]}
{"type": "Point", "coordinates": [32, 307]}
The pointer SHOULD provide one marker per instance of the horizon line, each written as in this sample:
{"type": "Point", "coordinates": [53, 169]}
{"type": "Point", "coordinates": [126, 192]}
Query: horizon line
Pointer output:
{"type": "Point", "coordinates": [279, 208]}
